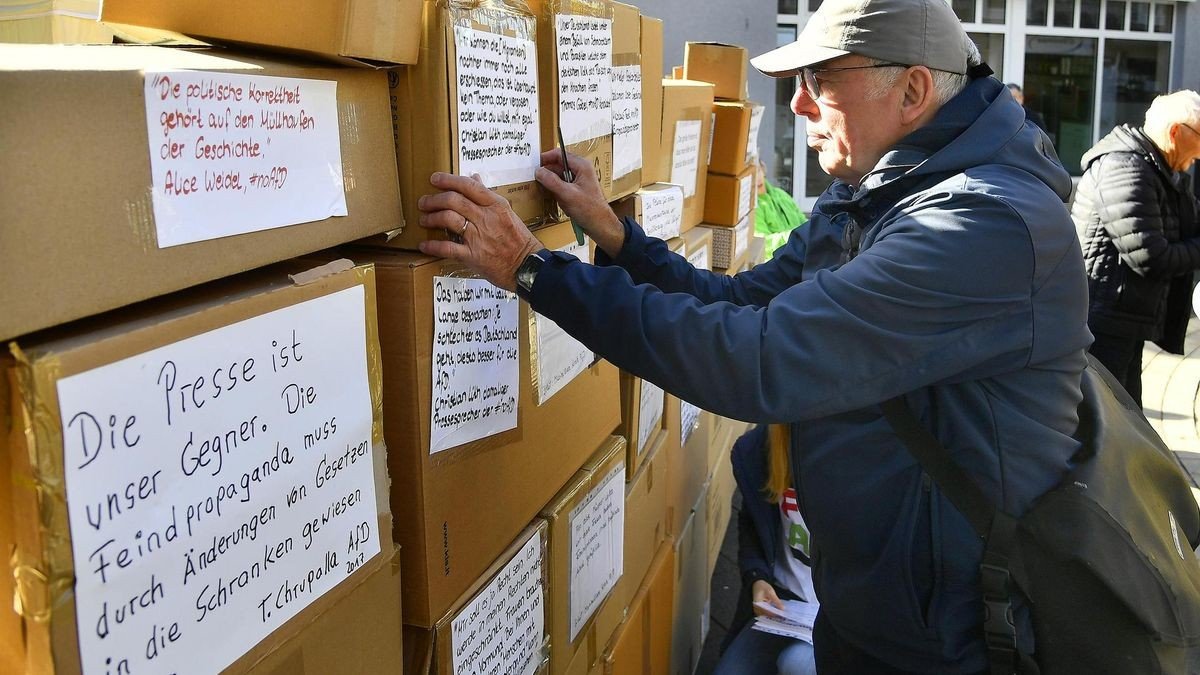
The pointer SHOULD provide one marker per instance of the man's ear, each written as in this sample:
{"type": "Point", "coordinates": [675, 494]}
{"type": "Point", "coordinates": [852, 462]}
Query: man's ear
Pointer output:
{"type": "Point", "coordinates": [918, 95]}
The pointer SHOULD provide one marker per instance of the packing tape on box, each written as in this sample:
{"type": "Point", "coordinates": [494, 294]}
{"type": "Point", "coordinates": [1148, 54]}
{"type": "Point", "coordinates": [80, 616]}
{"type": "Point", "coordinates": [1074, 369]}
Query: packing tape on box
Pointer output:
{"type": "Point", "coordinates": [43, 575]}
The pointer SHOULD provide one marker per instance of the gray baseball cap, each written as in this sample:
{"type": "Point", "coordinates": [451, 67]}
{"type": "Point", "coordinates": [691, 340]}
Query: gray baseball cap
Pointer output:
{"type": "Point", "coordinates": [911, 32]}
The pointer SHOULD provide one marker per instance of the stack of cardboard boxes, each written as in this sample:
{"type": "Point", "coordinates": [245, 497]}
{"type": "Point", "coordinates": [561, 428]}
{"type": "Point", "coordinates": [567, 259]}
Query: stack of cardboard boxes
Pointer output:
{"type": "Point", "coordinates": [221, 440]}
{"type": "Point", "coordinates": [731, 193]}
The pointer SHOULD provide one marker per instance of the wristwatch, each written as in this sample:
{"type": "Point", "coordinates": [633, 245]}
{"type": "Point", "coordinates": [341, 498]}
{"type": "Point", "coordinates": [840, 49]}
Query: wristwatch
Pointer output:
{"type": "Point", "coordinates": [528, 271]}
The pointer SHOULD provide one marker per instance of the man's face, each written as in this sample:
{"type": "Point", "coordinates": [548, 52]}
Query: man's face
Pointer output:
{"type": "Point", "coordinates": [850, 130]}
{"type": "Point", "coordinates": [1188, 145]}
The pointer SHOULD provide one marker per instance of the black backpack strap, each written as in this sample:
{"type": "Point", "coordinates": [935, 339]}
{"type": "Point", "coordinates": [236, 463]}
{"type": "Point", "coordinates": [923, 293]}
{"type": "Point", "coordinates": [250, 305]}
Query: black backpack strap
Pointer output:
{"type": "Point", "coordinates": [997, 529]}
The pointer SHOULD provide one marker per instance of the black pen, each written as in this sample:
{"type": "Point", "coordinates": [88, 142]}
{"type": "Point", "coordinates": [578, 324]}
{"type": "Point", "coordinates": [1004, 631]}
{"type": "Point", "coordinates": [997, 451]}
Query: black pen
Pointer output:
{"type": "Point", "coordinates": [569, 176]}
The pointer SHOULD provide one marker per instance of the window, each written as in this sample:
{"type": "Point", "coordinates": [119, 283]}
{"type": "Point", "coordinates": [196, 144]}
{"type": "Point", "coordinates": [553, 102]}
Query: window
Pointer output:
{"type": "Point", "coordinates": [1114, 15]}
{"type": "Point", "coordinates": [1060, 83]}
{"type": "Point", "coordinates": [785, 122]}
{"type": "Point", "coordinates": [1036, 13]}
{"type": "Point", "coordinates": [965, 9]}
{"type": "Point", "coordinates": [1164, 16]}
{"type": "Point", "coordinates": [1135, 71]}
{"type": "Point", "coordinates": [1139, 16]}
{"type": "Point", "coordinates": [1064, 13]}
{"type": "Point", "coordinates": [993, 11]}
{"type": "Point", "coordinates": [787, 6]}
{"type": "Point", "coordinates": [991, 48]}
{"type": "Point", "coordinates": [1089, 14]}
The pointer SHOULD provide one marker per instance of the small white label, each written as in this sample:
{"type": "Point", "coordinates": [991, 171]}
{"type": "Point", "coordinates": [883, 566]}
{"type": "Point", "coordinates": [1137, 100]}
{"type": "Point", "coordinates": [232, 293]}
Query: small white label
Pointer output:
{"type": "Point", "coordinates": [686, 155]}
{"type": "Point", "coordinates": [218, 485]}
{"type": "Point", "coordinates": [743, 236]}
{"type": "Point", "coordinates": [627, 120]}
{"type": "Point", "coordinates": [597, 546]}
{"type": "Point", "coordinates": [584, 77]}
{"type": "Point", "coordinates": [662, 211]}
{"type": "Point", "coordinates": [233, 153]}
{"type": "Point", "coordinates": [475, 362]}
{"type": "Point", "coordinates": [690, 421]}
{"type": "Point", "coordinates": [560, 357]}
{"type": "Point", "coordinates": [496, 106]}
{"type": "Point", "coordinates": [756, 116]}
{"type": "Point", "coordinates": [745, 191]}
{"type": "Point", "coordinates": [699, 258]}
{"type": "Point", "coordinates": [503, 628]}
{"type": "Point", "coordinates": [650, 411]}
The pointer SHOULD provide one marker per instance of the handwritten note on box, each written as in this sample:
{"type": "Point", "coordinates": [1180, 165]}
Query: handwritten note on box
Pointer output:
{"type": "Point", "coordinates": [497, 106]}
{"type": "Point", "coordinates": [233, 153]}
{"type": "Point", "coordinates": [699, 258]}
{"type": "Point", "coordinates": [219, 485]}
{"type": "Point", "coordinates": [584, 48]}
{"type": "Point", "coordinates": [597, 546]}
{"type": "Point", "coordinates": [745, 193]}
{"type": "Point", "coordinates": [475, 363]}
{"type": "Point", "coordinates": [560, 357]}
{"type": "Point", "coordinates": [627, 119]}
{"type": "Point", "coordinates": [685, 161]}
{"type": "Point", "coordinates": [503, 627]}
{"type": "Point", "coordinates": [662, 211]}
{"type": "Point", "coordinates": [650, 411]}
{"type": "Point", "coordinates": [689, 420]}
{"type": "Point", "coordinates": [756, 116]}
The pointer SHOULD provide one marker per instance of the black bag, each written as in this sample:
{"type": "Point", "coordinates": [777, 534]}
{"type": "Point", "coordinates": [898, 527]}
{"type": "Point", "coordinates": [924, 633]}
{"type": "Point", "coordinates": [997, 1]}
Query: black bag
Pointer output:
{"type": "Point", "coordinates": [1104, 560]}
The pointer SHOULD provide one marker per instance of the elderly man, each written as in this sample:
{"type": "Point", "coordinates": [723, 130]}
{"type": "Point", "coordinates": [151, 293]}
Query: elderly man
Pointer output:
{"type": "Point", "coordinates": [1137, 220]}
{"type": "Point", "coordinates": [960, 287]}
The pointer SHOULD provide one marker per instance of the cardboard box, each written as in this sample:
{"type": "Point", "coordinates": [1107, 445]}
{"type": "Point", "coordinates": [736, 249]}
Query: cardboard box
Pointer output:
{"type": "Point", "coordinates": [654, 170]}
{"type": "Point", "coordinates": [719, 497]}
{"type": "Point", "coordinates": [158, 421]}
{"type": "Point", "coordinates": [657, 208]}
{"type": "Point", "coordinates": [687, 118]}
{"type": "Point", "coordinates": [698, 247]}
{"type": "Point", "coordinates": [758, 248]}
{"type": "Point", "coordinates": [85, 190]}
{"type": "Point", "coordinates": [643, 419]}
{"type": "Point", "coordinates": [677, 245]}
{"type": "Point", "coordinates": [382, 32]}
{"type": "Point", "coordinates": [457, 509]}
{"type": "Point", "coordinates": [687, 468]}
{"type": "Point", "coordinates": [432, 116]}
{"type": "Point", "coordinates": [677, 73]}
{"type": "Point", "coordinates": [729, 199]}
{"type": "Point", "coordinates": [629, 113]}
{"type": "Point", "coordinates": [735, 136]}
{"type": "Point", "coordinates": [731, 243]}
{"type": "Point", "coordinates": [737, 266]}
{"type": "Point", "coordinates": [645, 529]}
{"type": "Point", "coordinates": [494, 626]}
{"type": "Point", "coordinates": [692, 590]}
{"type": "Point", "coordinates": [575, 60]}
{"type": "Point", "coordinates": [642, 645]}
{"type": "Point", "coordinates": [586, 535]}
{"type": "Point", "coordinates": [53, 22]}
{"type": "Point", "coordinates": [725, 66]}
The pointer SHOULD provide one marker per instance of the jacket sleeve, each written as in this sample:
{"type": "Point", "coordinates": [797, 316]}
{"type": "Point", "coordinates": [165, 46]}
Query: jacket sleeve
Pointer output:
{"type": "Point", "coordinates": [923, 304]}
{"type": "Point", "coordinates": [649, 261]}
{"type": "Point", "coordinates": [1128, 204]}
{"type": "Point", "coordinates": [752, 561]}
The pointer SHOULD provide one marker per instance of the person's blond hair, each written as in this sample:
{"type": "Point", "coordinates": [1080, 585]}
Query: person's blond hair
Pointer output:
{"type": "Point", "coordinates": [779, 466]}
{"type": "Point", "coordinates": [1180, 107]}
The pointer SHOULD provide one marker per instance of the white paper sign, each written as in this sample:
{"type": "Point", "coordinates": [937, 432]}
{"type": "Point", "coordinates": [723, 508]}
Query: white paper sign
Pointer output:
{"type": "Point", "coordinates": [233, 153]}
{"type": "Point", "coordinates": [218, 485]}
{"type": "Point", "coordinates": [699, 259]}
{"type": "Point", "coordinates": [650, 411]}
{"type": "Point", "coordinates": [475, 363]}
{"type": "Point", "coordinates": [690, 420]}
{"type": "Point", "coordinates": [745, 191]}
{"type": "Point", "coordinates": [686, 155]}
{"type": "Point", "coordinates": [597, 546]}
{"type": "Point", "coordinates": [497, 106]}
{"type": "Point", "coordinates": [662, 211]}
{"type": "Point", "coordinates": [627, 120]}
{"type": "Point", "coordinates": [560, 357]}
{"type": "Point", "coordinates": [584, 77]}
{"type": "Point", "coordinates": [756, 115]}
{"type": "Point", "coordinates": [503, 627]}
{"type": "Point", "coordinates": [743, 236]}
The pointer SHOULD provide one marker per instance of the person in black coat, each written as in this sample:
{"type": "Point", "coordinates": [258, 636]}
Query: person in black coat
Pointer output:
{"type": "Point", "coordinates": [1136, 216]}
{"type": "Point", "coordinates": [1030, 114]}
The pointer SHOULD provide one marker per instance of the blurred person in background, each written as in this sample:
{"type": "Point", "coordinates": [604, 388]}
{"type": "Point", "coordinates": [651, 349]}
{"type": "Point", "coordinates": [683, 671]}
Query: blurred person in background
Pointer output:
{"type": "Point", "coordinates": [776, 214]}
{"type": "Point", "coordinates": [1030, 114]}
{"type": "Point", "coordinates": [1136, 217]}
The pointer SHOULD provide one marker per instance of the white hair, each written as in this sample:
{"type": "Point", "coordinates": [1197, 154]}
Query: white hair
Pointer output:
{"type": "Point", "coordinates": [946, 85]}
{"type": "Point", "coordinates": [1181, 107]}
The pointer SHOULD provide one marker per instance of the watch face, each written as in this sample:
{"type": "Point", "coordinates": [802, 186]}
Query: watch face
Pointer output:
{"type": "Point", "coordinates": [527, 272]}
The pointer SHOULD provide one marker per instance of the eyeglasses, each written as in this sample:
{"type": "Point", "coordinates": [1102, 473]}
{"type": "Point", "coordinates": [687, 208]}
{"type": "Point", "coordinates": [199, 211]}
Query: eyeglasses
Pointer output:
{"type": "Point", "coordinates": [1190, 128]}
{"type": "Point", "coordinates": [812, 86]}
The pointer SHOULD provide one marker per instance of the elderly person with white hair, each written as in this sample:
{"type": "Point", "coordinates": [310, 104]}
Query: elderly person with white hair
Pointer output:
{"type": "Point", "coordinates": [1136, 217]}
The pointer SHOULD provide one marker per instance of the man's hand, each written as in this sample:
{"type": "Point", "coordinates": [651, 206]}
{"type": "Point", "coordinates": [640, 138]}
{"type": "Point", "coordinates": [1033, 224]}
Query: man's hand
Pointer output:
{"type": "Point", "coordinates": [486, 235]}
{"type": "Point", "coordinates": [763, 591]}
{"type": "Point", "coordinates": [583, 201]}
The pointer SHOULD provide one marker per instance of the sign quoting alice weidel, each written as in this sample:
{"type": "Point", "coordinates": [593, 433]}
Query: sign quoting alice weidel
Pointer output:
{"type": "Point", "coordinates": [218, 485]}
{"type": "Point", "coordinates": [233, 153]}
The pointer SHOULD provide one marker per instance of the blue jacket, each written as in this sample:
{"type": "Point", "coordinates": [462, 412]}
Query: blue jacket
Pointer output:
{"type": "Point", "coordinates": [968, 296]}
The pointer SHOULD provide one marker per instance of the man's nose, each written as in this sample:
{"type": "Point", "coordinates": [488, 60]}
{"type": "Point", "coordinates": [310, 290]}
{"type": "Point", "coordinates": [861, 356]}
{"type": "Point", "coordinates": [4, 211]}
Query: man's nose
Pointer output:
{"type": "Point", "coordinates": [803, 104]}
